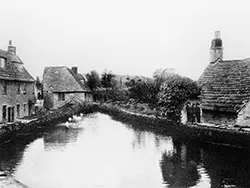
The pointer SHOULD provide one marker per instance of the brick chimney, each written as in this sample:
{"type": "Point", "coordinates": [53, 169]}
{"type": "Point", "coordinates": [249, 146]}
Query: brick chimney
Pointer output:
{"type": "Point", "coordinates": [74, 69]}
{"type": "Point", "coordinates": [11, 49]}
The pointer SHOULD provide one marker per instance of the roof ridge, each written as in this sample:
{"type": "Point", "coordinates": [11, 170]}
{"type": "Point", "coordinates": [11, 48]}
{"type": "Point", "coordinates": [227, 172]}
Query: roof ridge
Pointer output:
{"type": "Point", "coordinates": [82, 85]}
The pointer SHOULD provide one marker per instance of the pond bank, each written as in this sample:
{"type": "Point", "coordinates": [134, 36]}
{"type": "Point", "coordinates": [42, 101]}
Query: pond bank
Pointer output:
{"type": "Point", "coordinates": [15, 130]}
{"type": "Point", "coordinates": [235, 137]}
{"type": "Point", "coordinates": [198, 132]}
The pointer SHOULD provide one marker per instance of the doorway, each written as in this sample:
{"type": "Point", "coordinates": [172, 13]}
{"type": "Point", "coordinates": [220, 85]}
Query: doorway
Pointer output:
{"type": "Point", "coordinates": [11, 114]}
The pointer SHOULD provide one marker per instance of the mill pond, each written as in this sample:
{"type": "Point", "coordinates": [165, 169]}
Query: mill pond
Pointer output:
{"type": "Point", "coordinates": [102, 152]}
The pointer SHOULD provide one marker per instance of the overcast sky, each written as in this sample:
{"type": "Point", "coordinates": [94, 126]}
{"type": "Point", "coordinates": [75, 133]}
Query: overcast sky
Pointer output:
{"type": "Point", "coordinates": [128, 37]}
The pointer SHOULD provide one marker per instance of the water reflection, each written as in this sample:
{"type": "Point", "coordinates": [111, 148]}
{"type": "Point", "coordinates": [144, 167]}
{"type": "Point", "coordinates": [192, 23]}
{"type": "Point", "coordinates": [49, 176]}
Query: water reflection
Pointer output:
{"type": "Point", "coordinates": [11, 154]}
{"type": "Point", "coordinates": [224, 166]}
{"type": "Point", "coordinates": [227, 167]}
{"type": "Point", "coordinates": [139, 139]}
{"type": "Point", "coordinates": [179, 167]}
{"type": "Point", "coordinates": [107, 153]}
{"type": "Point", "coordinates": [60, 137]}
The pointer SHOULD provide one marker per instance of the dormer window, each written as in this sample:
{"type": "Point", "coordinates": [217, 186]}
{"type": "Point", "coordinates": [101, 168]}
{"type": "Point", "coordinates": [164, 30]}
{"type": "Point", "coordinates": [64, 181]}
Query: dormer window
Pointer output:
{"type": "Point", "coordinates": [2, 62]}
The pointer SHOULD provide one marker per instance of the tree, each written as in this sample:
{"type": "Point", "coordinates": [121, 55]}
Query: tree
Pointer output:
{"type": "Point", "coordinates": [93, 80]}
{"type": "Point", "coordinates": [108, 80]}
{"type": "Point", "coordinates": [160, 76]}
{"type": "Point", "coordinates": [174, 92]}
{"type": "Point", "coordinates": [143, 90]}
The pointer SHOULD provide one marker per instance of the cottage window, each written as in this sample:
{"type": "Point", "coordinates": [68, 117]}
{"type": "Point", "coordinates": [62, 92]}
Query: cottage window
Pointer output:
{"type": "Point", "coordinates": [18, 110]}
{"type": "Point", "coordinates": [61, 96]}
{"type": "Point", "coordinates": [2, 62]}
{"type": "Point", "coordinates": [4, 113]}
{"type": "Point", "coordinates": [25, 89]}
{"type": "Point", "coordinates": [18, 87]}
{"type": "Point", "coordinates": [24, 108]}
{"type": "Point", "coordinates": [5, 86]}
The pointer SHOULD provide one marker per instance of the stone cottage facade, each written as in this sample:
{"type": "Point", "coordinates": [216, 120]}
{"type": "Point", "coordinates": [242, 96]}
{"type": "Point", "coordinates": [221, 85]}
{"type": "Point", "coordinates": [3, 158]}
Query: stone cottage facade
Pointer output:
{"type": "Point", "coordinates": [225, 94]}
{"type": "Point", "coordinates": [61, 84]}
{"type": "Point", "coordinates": [16, 87]}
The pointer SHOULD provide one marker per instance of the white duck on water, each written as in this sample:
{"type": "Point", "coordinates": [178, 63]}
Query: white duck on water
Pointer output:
{"type": "Point", "coordinates": [72, 121]}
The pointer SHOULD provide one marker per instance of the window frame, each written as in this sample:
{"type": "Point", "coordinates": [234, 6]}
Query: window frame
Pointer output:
{"type": "Point", "coordinates": [25, 88]}
{"type": "Point", "coordinates": [24, 107]}
{"type": "Point", "coordinates": [4, 117]}
{"type": "Point", "coordinates": [61, 96]}
{"type": "Point", "coordinates": [5, 87]}
{"type": "Point", "coordinates": [2, 62]}
{"type": "Point", "coordinates": [18, 88]}
{"type": "Point", "coordinates": [18, 109]}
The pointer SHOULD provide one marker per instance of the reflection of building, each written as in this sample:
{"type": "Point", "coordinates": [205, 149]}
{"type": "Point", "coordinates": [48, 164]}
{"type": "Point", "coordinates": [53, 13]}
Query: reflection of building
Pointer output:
{"type": "Point", "coordinates": [225, 85]}
{"type": "Point", "coordinates": [12, 153]}
{"type": "Point", "coordinates": [60, 137]}
{"type": "Point", "coordinates": [139, 139]}
{"type": "Point", "coordinates": [227, 167]}
{"type": "Point", "coordinates": [179, 168]}
{"type": "Point", "coordinates": [61, 84]}
{"type": "Point", "coordinates": [16, 87]}
{"type": "Point", "coordinates": [224, 166]}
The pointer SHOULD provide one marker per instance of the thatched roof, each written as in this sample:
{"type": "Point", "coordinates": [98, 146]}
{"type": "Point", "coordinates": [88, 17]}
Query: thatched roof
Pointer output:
{"type": "Point", "coordinates": [62, 79]}
{"type": "Point", "coordinates": [13, 69]}
{"type": "Point", "coordinates": [226, 85]}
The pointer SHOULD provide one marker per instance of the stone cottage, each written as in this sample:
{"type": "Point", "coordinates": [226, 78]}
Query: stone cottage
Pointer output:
{"type": "Point", "coordinates": [225, 94]}
{"type": "Point", "coordinates": [16, 87]}
{"type": "Point", "coordinates": [61, 84]}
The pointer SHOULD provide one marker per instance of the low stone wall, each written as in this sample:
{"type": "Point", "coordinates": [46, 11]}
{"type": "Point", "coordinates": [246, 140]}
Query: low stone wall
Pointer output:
{"type": "Point", "coordinates": [15, 130]}
{"type": "Point", "coordinates": [147, 122]}
{"type": "Point", "coordinates": [203, 133]}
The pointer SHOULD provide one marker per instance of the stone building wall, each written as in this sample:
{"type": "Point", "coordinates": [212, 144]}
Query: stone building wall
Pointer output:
{"type": "Point", "coordinates": [218, 117]}
{"type": "Point", "coordinates": [13, 98]}
{"type": "Point", "coordinates": [244, 116]}
{"type": "Point", "coordinates": [51, 100]}
{"type": "Point", "coordinates": [57, 103]}
{"type": "Point", "coordinates": [213, 117]}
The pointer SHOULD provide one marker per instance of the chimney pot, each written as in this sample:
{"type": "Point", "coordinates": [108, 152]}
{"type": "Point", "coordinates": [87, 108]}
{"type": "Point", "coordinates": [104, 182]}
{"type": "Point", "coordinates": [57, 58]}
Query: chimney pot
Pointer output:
{"type": "Point", "coordinates": [11, 49]}
{"type": "Point", "coordinates": [217, 35]}
{"type": "Point", "coordinates": [74, 69]}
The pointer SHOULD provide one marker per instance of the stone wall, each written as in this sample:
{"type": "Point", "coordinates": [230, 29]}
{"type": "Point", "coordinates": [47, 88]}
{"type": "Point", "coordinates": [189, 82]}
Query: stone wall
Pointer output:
{"type": "Point", "coordinates": [17, 129]}
{"type": "Point", "coordinates": [201, 133]}
{"type": "Point", "coordinates": [218, 117]}
{"type": "Point", "coordinates": [244, 116]}
{"type": "Point", "coordinates": [13, 98]}
{"type": "Point", "coordinates": [68, 96]}
{"type": "Point", "coordinates": [51, 99]}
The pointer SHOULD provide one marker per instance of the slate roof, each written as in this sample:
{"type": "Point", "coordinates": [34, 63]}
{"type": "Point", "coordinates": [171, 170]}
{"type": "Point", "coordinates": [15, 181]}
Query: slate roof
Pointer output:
{"type": "Point", "coordinates": [63, 79]}
{"type": "Point", "coordinates": [226, 85]}
{"type": "Point", "coordinates": [14, 69]}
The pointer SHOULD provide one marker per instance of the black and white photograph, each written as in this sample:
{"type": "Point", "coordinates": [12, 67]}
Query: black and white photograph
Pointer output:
{"type": "Point", "coordinates": [125, 94]}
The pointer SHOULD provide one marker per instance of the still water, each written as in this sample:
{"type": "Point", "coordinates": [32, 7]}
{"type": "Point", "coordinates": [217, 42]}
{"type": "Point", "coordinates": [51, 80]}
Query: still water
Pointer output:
{"type": "Point", "coordinates": [102, 152]}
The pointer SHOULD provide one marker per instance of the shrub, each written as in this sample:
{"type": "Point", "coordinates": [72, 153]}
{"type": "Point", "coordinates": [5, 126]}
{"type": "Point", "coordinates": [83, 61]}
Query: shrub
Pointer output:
{"type": "Point", "coordinates": [174, 92]}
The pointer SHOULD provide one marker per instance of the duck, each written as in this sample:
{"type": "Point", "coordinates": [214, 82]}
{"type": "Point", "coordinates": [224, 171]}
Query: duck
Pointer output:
{"type": "Point", "coordinates": [76, 118]}
{"type": "Point", "coordinates": [67, 124]}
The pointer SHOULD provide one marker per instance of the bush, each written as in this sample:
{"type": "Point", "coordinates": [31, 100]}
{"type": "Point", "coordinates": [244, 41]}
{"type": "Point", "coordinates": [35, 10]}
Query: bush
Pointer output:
{"type": "Point", "coordinates": [109, 94]}
{"type": "Point", "coordinates": [174, 92]}
{"type": "Point", "coordinates": [143, 91]}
